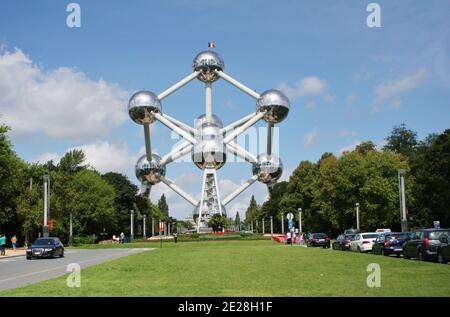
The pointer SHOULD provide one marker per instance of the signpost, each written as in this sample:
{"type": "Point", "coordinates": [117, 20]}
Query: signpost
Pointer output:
{"type": "Point", "coordinates": [290, 218]}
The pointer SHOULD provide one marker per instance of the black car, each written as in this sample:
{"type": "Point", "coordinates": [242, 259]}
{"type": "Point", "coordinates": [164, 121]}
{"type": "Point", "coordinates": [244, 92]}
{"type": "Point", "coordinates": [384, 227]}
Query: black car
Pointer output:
{"type": "Point", "coordinates": [45, 248]}
{"type": "Point", "coordinates": [424, 244]}
{"type": "Point", "coordinates": [318, 240]}
{"type": "Point", "coordinates": [342, 242]}
{"type": "Point", "coordinates": [389, 243]}
{"type": "Point", "coordinates": [443, 251]}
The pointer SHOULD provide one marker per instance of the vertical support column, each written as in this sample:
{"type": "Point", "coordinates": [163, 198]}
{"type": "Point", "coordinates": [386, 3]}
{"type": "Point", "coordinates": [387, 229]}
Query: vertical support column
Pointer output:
{"type": "Point", "coordinates": [282, 223]}
{"type": "Point", "coordinates": [144, 220]}
{"type": "Point", "coordinates": [45, 231]}
{"type": "Point", "coordinates": [404, 220]}
{"type": "Point", "coordinates": [148, 145]}
{"type": "Point", "coordinates": [263, 229]}
{"type": "Point", "coordinates": [208, 102]}
{"type": "Point", "coordinates": [269, 138]}
{"type": "Point", "coordinates": [131, 225]}
{"type": "Point", "coordinates": [153, 227]}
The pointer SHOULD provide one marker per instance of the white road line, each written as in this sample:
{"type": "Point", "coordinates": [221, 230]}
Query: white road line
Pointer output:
{"type": "Point", "coordinates": [63, 266]}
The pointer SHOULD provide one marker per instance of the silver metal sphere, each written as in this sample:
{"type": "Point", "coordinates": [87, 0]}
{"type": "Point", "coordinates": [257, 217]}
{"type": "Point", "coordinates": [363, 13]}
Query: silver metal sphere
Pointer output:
{"type": "Point", "coordinates": [142, 107]}
{"type": "Point", "coordinates": [275, 104]}
{"type": "Point", "coordinates": [268, 168]}
{"type": "Point", "coordinates": [206, 63]}
{"type": "Point", "coordinates": [209, 151]}
{"type": "Point", "coordinates": [201, 120]}
{"type": "Point", "coordinates": [150, 172]}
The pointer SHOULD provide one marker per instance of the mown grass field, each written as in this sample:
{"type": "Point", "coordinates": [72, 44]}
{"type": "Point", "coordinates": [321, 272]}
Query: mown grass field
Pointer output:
{"type": "Point", "coordinates": [247, 268]}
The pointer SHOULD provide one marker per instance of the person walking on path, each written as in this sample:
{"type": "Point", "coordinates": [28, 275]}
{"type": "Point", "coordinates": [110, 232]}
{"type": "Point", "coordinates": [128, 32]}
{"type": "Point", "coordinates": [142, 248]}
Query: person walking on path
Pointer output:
{"type": "Point", "coordinates": [175, 236]}
{"type": "Point", "coordinates": [122, 237]}
{"type": "Point", "coordinates": [2, 244]}
{"type": "Point", "coordinates": [14, 242]}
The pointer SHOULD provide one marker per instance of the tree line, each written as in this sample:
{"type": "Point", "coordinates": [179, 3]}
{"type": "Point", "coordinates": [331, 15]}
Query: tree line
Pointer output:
{"type": "Point", "coordinates": [98, 202]}
{"type": "Point", "coordinates": [328, 189]}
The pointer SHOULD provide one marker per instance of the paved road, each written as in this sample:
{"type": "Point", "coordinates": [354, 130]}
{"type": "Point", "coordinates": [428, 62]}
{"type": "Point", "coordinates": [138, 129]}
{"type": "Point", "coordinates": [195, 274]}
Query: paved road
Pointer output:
{"type": "Point", "coordinates": [18, 271]}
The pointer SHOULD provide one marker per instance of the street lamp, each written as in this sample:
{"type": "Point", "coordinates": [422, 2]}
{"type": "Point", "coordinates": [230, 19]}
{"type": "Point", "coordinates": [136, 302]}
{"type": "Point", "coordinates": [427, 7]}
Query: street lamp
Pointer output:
{"type": "Point", "coordinates": [45, 230]}
{"type": "Point", "coordinates": [357, 216]}
{"type": "Point", "coordinates": [402, 196]}
{"type": "Point", "coordinates": [300, 220]}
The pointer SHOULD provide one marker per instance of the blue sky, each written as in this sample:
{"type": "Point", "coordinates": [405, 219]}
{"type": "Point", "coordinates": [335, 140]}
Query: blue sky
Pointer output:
{"type": "Point", "coordinates": [68, 87]}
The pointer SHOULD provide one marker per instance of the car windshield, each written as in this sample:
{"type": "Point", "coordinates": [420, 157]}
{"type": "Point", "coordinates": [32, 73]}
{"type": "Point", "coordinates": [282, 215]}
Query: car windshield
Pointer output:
{"type": "Point", "coordinates": [399, 236]}
{"type": "Point", "coordinates": [319, 235]}
{"type": "Point", "coordinates": [370, 236]}
{"type": "Point", "coordinates": [436, 235]}
{"type": "Point", "coordinates": [44, 241]}
{"type": "Point", "coordinates": [349, 236]}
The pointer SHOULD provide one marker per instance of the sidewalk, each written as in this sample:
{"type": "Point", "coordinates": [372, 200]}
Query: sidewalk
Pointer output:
{"type": "Point", "coordinates": [10, 253]}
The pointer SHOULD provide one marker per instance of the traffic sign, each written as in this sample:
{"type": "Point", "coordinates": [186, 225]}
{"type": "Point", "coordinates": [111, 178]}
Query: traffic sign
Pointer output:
{"type": "Point", "coordinates": [290, 223]}
{"type": "Point", "coordinates": [290, 216]}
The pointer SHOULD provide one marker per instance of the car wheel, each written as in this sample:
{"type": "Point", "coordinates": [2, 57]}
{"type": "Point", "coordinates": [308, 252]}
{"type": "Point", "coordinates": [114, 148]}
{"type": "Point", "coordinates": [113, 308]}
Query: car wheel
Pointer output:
{"type": "Point", "coordinates": [29, 257]}
{"type": "Point", "coordinates": [359, 249]}
{"type": "Point", "coordinates": [382, 252]}
{"type": "Point", "coordinates": [405, 255]}
{"type": "Point", "coordinates": [62, 254]}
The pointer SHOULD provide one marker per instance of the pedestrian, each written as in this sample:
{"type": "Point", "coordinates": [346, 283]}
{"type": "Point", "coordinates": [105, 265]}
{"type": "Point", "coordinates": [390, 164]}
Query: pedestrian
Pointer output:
{"type": "Point", "coordinates": [14, 242]}
{"type": "Point", "coordinates": [175, 237]}
{"type": "Point", "coordinates": [288, 238]}
{"type": "Point", "coordinates": [2, 244]}
{"type": "Point", "coordinates": [122, 237]}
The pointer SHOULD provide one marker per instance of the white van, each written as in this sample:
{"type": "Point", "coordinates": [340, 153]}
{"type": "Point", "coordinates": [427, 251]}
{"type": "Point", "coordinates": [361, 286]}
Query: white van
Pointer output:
{"type": "Point", "coordinates": [383, 230]}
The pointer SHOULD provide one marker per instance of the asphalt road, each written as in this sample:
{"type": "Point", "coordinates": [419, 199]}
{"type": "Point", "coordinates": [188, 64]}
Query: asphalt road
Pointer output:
{"type": "Point", "coordinates": [18, 271]}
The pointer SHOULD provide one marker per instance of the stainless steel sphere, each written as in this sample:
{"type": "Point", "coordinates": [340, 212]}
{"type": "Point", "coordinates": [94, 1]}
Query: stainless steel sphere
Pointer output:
{"type": "Point", "coordinates": [209, 151]}
{"type": "Point", "coordinates": [206, 63]}
{"type": "Point", "coordinates": [150, 172]}
{"type": "Point", "coordinates": [142, 107]}
{"type": "Point", "coordinates": [275, 104]}
{"type": "Point", "coordinates": [200, 121]}
{"type": "Point", "coordinates": [268, 168]}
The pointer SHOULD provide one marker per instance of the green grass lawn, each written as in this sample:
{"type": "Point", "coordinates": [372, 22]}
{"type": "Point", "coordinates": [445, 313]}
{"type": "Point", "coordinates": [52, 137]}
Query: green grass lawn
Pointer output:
{"type": "Point", "coordinates": [247, 268]}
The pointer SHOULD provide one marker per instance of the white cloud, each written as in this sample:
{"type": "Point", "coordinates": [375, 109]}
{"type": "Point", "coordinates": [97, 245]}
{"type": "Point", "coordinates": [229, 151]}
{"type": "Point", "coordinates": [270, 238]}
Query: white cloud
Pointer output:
{"type": "Point", "coordinates": [346, 133]}
{"type": "Point", "coordinates": [44, 158]}
{"type": "Point", "coordinates": [392, 90]}
{"type": "Point", "coordinates": [349, 148]}
{"type": "Point", "coordinates": [61, 103]}
{"type": "Point", "coordinates": [311, 138]}
{"type": "Point", "coordinates": [311, 105]}
{"type": "Point", "coordinates": [309, 86]}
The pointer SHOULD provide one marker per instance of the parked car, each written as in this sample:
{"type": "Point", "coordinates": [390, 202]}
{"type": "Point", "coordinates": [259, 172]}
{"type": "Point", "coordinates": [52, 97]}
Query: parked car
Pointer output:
{"type": "Point", "coordinates": [363, 241]}
{"type": "Point", "coordinates": [389, 243]}
{"type": "Point", "coordinates": [382, 230]}
{"type": "Point", "coordinates": [425, 243]}
{"type": "Point", "coordinates": [318, 240]}
{"type": "Point", "coordinates": [352, 231]}
{"type": "Point", "coordinates": [443, 251]}
{"type": "Point", "coordinates": [45, 248]}
{"type": "Point", "coordinates": [343, 241]}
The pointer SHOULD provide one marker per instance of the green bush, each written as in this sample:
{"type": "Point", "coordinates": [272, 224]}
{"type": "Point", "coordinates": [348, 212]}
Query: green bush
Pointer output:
{"type": "Point", "coordinates": [77, 240]}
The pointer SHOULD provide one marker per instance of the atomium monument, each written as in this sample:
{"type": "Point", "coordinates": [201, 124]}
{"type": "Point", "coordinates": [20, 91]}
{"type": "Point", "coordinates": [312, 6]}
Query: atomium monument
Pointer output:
{"type": "Point", "coordinates": [208, 141]}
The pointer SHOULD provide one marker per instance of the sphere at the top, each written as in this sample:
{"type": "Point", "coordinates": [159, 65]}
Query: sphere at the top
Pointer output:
{"type": "Point", "coordinates": [206, 63]}
{"type": "Point", "coordinates": [142, 107]}
{"type": "Point", "coordinates": [150, 172]}
{"type": "Point", "coordinates": [275, 104]}
{"type": "Point", "coordinates": [268, 168]}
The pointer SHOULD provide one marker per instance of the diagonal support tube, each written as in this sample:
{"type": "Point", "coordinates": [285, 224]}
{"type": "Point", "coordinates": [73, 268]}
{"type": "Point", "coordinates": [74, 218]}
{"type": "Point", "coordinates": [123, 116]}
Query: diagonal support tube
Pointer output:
{"type": "Point", "coordinates": [242, 153]}
{"type": "Point", "coordinates": [179, 191]}
{"type": "Point", "coordinates": [238, 85]}
{"type": "Point", "coordinates": [244, 127]}
{"type": "Point", "coordinates": [237, 123]}
{"type": "Point", "coordinates": [176, 153]}
{"type": "Point", "coordinates": [148, 144]}
{"type": "Point", "coordinates": [175, 128]}
{"type": "Point", "coordinates": [178, 85]}
{"type": "Point", "coordinates": [239, 190]}
{"type": "Point", "coordinates": [179, 123]}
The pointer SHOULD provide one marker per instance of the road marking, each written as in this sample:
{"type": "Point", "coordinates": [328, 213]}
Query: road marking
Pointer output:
{"type": "Point", "coordinates": [64, 266]}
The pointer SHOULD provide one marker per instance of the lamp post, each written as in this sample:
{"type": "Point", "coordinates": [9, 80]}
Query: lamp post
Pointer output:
{"type": "Point", "coordinates": [300, 220]}
{"type": "Point", "coordinates": [71, 230]}
{"type": "Point", "coordinates": [45, 231]}
{"type": "Point", "coordinates": [131, 225]}
{"type": "Point", "coordinates": [271, 226]}
{"type": "Point", "coordinates": [357, 216]}
{"type": "Point", "coordinates": [144, 220]}
{"type": "Point", "coordinates": [282, 223]}
{"type": "Point", "coordinates": [401, 185]}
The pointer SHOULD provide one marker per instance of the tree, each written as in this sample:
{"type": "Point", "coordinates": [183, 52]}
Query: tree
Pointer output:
{"type": "Point", "coordinates": [217, 222]}
{"type": "Point", "coordinates": [11, 175]}
{"type": "Point", "coordinates": [365, 147]}
{"type": "Point", "coordinates": [72, 161]}
{"type": "Point", "coordinates": [162, 206]}
{"type": "Point", "coordinates": [401, 140]}
{"type": "Point", "coordinates": [251, 214]}
{"type": "Point", "coordinates": [237, 220]}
